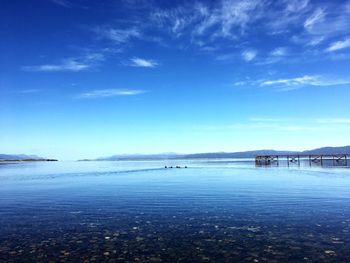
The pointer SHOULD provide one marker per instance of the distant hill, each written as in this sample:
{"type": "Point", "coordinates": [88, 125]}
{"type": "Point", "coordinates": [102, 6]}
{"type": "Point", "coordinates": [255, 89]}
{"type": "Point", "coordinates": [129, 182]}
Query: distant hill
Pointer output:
{"type": "Point", "coordinates": [329, 150]}
{"type": "Point", "coordinates": [18, 156]}
{"type": "Point", "coordinates": [246, 154]}
{"type": "Point", "coordinates": [126, 157]}
{"type": "Point", "coordinates": [22, 157]}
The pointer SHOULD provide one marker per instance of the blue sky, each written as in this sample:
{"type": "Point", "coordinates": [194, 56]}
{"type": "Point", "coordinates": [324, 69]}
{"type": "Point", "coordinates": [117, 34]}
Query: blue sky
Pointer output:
{"type": "Point", "coordinates": [83, 79]}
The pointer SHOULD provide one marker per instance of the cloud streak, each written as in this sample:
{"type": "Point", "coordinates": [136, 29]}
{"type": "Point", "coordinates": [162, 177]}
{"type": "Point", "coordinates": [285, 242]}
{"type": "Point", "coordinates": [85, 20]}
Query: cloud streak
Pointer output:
{"type": "Point", "coordinates": [292, 125]}
{"type": "Point", "coordinates": [29, 91]}
{"type": "Point", "coordinates": [279, 52]}
{"type": "Point", "coordinates": [249, 55]}
{"type": "Point", "coordinates": [217, 25]}
{"type": "Point", "coordinates": [288, 84]}
{"type": "Point", "coordinates": [107, 93]}
{"type": "Point", "coordinates": [306, 80]}
{"type": "Point", "coordinates": [288, 125]}
{"type": "Point", "coordinates": [317, 17]}
{"type": "Point", "coordinates": [332, 121]}
{"type": "Point", "coordinates": [69, 64]}
{"type": "Point", "coordinates": [118, 35]}
{"type": "Point", "coordinates": [144, 63]}
{"type": "Point", "coordinates": [64, 3]}
{"type": "Point", "coordinates": [338, 45]}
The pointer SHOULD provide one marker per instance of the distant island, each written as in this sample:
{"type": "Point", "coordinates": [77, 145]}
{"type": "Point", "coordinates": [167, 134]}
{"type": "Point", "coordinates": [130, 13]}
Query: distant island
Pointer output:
{"type": "Point", "coordinates": [23, 158]}
{"type": "Point", "coordinates": [245, 154]}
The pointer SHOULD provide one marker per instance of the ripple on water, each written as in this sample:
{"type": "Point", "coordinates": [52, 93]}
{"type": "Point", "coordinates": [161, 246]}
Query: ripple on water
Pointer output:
{"type": "Point", "coordinates": [146, 214]}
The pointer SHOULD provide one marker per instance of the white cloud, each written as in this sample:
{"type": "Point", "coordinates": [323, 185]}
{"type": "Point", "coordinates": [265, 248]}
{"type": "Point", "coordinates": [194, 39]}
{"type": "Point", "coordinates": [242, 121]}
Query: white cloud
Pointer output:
{"type": "Point", "coordinates": [230, 18]}
{"type": "Point", "coordinates": [339, 45]}
{"type": "Point", "coordinates": [249, 55]}
{"type": "Point", "coordinates": [333, 120]}
{"type": "Point", "coordinates": [265, 119]}
{"type": "Point", "coordinates": [293, 124]}
{"type": "Point", "coordinates": [240, 83]}
{"type": "Point", "coordinates": [64, 3]}
{"type": "Point", "coordinates": [315, 41]}
{"type": "Point", "coordinates": [282, 21]}
{"type": "Point", "coordinates": [69, 64]}
{"type": "Point", "coordinates": [225, 18]}
{"type": "Point", "coordinates": [28, 91]}
{"type": "Point", "coordinates": [276, 55]}
{"type": "Point", "coordinates": [274, 126]}
{"type": "Point", "coordinates": [317, 17]}
{"type": "Point", "coordinates": [279, 52]}
{"type": "Point", "coordinates": [326, 25]}
{"type": "Point", "coordinates": [239, 14]}
{"type": "Point", "coordinates": [306, 80]}
{"type": "Point", "coordinates": [140, 62]}
{"type": "Point", "coordinates": [118, 35]}
{"type": "Point", "coordinates": [310, 80]}
{"type": "Point", "coordinates": [287, 84]}
{"type": "Point", "coordinates": [105, 93]}
{"type": "Point", "coordinates": [294, 6]}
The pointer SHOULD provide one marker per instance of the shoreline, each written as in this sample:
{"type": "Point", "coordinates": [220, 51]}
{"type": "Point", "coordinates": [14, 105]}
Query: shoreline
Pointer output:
{"type": "Point", "coordinates": [27, 160]}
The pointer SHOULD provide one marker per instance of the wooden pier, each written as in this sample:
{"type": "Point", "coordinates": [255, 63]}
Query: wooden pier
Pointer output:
{"type": "Point", "coordinates": [316, 159]}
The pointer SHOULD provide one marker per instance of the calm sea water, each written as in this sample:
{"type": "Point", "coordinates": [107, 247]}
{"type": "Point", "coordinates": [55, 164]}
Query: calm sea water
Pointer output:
{"type": "Point", "coordinates": [213, 211]}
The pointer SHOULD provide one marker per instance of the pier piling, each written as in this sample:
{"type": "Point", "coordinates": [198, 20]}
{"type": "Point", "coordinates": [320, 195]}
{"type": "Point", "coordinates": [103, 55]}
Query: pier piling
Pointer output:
{"type": "Point", "coordinates": [313, 159]}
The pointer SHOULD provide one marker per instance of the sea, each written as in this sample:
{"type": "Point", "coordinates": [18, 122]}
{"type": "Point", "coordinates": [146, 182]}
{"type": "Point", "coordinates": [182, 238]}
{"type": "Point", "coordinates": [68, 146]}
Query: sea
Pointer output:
{"type": "Point", "coordinates": [215, 210]}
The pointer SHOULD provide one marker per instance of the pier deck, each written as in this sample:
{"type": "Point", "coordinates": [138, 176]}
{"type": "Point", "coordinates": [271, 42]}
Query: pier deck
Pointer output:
{"type": "Point", "coordinates": [295, 159]}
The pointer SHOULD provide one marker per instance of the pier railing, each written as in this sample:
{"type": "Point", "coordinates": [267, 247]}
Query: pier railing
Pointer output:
{"type": "Point", "coordinates": [296, 159]}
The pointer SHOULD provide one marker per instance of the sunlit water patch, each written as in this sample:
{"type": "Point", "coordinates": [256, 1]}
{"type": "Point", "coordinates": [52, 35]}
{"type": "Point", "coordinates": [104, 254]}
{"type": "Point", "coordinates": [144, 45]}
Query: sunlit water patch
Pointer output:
{"type": "Point", "coordinates": [141, 212]}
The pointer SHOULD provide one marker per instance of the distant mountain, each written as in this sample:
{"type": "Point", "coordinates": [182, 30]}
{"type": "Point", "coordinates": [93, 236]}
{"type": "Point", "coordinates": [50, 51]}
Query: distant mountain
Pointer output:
{"type": "Point", "coordinates": [22, 157]}
{"type": "Point", "coordinates": [125, 157]}
{"type": "Point", "coordinates": [329, 150]}
{"type": "Point", "coordinates": [18, 156]}
{"type": "Point", "coordinates": [246, 154]}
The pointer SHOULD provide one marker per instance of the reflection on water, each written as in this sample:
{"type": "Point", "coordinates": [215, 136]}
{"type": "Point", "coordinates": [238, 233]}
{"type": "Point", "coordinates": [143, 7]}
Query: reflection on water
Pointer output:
{"type": "Point", "coordinates": [214, 211]}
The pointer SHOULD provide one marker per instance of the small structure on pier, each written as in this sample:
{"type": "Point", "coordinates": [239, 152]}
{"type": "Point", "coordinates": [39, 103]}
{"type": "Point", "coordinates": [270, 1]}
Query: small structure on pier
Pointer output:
{"type": "Point", "coordinates": [319, 159]}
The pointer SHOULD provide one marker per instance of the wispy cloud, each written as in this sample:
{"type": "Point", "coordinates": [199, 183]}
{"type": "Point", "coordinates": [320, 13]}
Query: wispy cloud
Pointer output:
{"type": "Point", "coordinates": [249, 55]}
{"type": "Point", "coordinates": [265, 119]}
{"type": "Point", "coordinates": [288, 84]}
{"type": "Point", "coordinates": [316, 17]}
{"type": "Point", "coordinates": [310, 80]}
{"type": "Point", "coordinates": [329, 20]}
{"type": "Point", "coordinates": [64, 3]}
{"type": "Point", "coordinates": [275, 125]}
{"type": "Point", "coordinates": [282, 20]}
{"type": "Point", "coordinates": [69, 64]}
{"type": "Point", "coordinates": [286, 127]}
{"type": "Point", "coordinates": [276, 55]}
{"type": "Point", "coordinates": [28, 91]}
{"type": "Point", "coordinates": [334, 121]}
{"type": "Point", "coordinates": [118, 35]}
{"type": "Point", "coordinates": [306, 80]}
{"type": "Point", "coordinates": [106, 93]}
{"type": "Point", "coordinates": [294, 6]}
{"type": "Point", "coordinates": [235, 23]}
{"type": "Point", "coordinates": [225, 19]}
{"type": "Point", "coordinates": [292, 124]}
{"type": "Point", "coordinates": [232, 18]}
{"type": "Point", "coordinates": [338, 45]}
{"type": "Point", "coordinates": [279, 52]}
{"type": "Point", "coordinates": [140, 62]}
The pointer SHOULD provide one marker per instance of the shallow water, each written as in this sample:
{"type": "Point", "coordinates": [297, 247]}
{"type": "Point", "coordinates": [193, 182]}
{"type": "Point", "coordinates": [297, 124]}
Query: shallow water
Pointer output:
{"type": "Point", "coordinates": [213, 211]}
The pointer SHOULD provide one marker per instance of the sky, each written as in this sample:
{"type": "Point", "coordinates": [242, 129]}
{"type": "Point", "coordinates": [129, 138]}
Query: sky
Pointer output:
{"type": "Point", "coordinates": [86, 79]}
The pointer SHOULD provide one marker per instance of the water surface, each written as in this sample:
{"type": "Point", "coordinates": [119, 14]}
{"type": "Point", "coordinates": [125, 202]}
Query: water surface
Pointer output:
{"type": "Point", "coordinates": [213, 211]}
